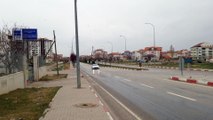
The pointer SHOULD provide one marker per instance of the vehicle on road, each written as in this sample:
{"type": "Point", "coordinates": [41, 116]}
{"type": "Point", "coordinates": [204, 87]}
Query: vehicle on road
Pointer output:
{"type": "Point", "coordinates": [95, 67]}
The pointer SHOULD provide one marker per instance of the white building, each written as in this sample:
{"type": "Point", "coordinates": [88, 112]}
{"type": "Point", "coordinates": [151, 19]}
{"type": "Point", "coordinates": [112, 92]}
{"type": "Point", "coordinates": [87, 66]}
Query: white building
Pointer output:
{"type": "Point", "coordinates": [137, 55]}
{"type": "Point", "coordinates": [154, 52]}
{"type": "Point", "coordinates": [202, 51]}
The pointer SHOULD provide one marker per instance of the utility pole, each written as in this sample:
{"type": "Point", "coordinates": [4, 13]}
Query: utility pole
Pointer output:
{"type": "Point", "coordinates": [77, 46]}
{"type": "Point", "coordinates": [56, 52]}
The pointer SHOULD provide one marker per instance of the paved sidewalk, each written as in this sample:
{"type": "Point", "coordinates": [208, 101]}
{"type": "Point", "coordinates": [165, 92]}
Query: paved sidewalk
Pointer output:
{"type": "Point", "coordinates": [63, 105]}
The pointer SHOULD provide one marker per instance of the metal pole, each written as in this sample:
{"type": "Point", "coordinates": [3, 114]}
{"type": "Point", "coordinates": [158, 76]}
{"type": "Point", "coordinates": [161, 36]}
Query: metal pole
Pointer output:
{"type": "Point", "coordinates": [111, 46]}
{"type": "Point", "coordinates": [56, 52]}
{"type": "Point", "coordinates": [153, 38]}
{"type": "Point", "coordinates": [124, 39]}
{"type": "Point", "coordinates": [153, 32]}
{"type": "Point", "coordinates": [77, 46]}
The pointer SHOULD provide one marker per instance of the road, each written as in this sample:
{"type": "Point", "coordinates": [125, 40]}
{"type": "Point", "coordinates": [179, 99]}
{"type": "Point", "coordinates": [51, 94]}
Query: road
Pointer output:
{"type": "Point", "coordinates": [150, 93]}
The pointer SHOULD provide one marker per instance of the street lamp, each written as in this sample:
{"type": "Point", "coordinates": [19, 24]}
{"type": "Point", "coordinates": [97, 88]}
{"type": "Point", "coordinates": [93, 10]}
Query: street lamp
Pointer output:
{"type": "Point", "coordinates": [124, 39]}
{"type": "Point", "coordinates": [153, 31]}
{"type": "Point", "coordinates": [111, 45]}
{"type": "Point", "coordinates": [77, 45]}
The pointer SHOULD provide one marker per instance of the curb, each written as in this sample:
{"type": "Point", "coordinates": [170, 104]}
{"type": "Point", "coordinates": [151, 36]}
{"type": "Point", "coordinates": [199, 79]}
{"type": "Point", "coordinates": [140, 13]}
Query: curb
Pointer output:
{"type": "Point", "coordinates": [176, 68]}
{"type": "Point", "coordinates": [124, 67]}
{"type": "Point", "coordinates": [192, 81]}
{"type": "Point", "coordinates": [105, 108]}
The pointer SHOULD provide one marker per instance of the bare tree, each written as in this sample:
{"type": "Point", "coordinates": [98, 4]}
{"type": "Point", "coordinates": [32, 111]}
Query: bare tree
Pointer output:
{"type": "Point", "coordinates": [8, 51]}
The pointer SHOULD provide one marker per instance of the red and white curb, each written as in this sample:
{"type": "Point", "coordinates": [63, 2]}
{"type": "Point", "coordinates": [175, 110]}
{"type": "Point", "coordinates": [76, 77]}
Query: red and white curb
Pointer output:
{"type": "Point", "coordinates": [190, 80]}
{"type": "Point", "coordinates": [176, 68]}
{"type": "Point", "coordinates": [104, 106]}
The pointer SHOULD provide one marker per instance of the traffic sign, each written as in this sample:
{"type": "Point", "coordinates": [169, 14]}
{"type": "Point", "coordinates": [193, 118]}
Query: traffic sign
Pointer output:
{"type": "Point", "coordinates": [29, 34]}
{"type": "Point", "coordinates": [17, 34]}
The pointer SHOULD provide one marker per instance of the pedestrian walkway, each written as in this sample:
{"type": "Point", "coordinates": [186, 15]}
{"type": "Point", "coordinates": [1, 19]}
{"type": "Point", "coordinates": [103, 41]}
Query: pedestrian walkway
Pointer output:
{"type": "Point", "coordinates": [71, 103]}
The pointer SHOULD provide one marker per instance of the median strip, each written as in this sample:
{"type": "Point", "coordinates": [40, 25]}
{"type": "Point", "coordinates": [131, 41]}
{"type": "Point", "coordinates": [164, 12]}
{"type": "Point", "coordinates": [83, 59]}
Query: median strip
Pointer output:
{"type": "Point", "coordinates": [192, 81]}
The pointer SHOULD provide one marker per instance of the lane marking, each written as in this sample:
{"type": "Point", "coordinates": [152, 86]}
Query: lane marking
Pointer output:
{"type": "Point", "coordinates": [110, 117]}
{"type": "Point", "coordinates": [133, 114]}
{"type": "Point", "coordinates": [117, 77]}
{"type": "Point", "coordinates": [101, 103]}
{"type": "Point", "coordinates": [96, 95]}
{"type": "Point", "coordinates": [188, 98]}
{"type": "Point", "coordinates": [125, 107]}
{"type": "Point", "coordinates": [146, 85]}
{"type": "Point", "coordinates": [127, 80]}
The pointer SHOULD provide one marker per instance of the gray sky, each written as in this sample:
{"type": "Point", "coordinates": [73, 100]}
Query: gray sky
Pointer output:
{"type": "Point", "coordinates": [181, 23]}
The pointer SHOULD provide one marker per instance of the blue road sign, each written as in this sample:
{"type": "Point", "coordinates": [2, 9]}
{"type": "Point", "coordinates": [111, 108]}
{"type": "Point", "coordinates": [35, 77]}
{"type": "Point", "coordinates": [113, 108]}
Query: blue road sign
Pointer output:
{"type": "Point", "coordinates": [17, 34]}
{"type": "Point", "coordinates": [188, 60]}
{"type": "Point", "coordinates": [29, 34]}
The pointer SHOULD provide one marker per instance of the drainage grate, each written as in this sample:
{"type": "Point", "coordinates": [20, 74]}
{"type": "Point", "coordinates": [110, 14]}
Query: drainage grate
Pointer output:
{"type": "Point", "coordinates": [86, 105]}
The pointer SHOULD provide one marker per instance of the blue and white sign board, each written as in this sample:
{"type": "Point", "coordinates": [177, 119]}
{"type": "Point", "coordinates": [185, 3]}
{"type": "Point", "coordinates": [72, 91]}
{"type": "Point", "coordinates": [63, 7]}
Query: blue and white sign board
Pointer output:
{"type": "Point", "coordinates": [17, 34]}
{"type": "Point", "coordinates": [29, 34]}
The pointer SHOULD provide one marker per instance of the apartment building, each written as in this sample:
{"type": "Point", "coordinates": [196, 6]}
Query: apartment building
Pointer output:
{"type": "Point", "coordinates": [202, 51]}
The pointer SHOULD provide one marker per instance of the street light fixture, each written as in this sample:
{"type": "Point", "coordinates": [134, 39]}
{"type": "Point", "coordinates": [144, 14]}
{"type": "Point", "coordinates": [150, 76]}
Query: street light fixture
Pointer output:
{"type": "Point", "coordinates": [124, 39]}
{"type": "Point", "coordinates": [153, 31]}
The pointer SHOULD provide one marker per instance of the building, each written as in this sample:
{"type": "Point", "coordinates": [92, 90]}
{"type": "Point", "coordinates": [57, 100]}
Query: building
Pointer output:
{"type": "Point", "coordinates": [41, 48]}
{"type": "Point", "coordinates": [152, 53]}
{"type": "Point", "coordinates": [99, 54]}
{"type": "Point", "coordinates": [116, 56]}
{"type": "Point", "coordinates": [202, 51]}
{"type": "Point", "coordinates": [137, 55]}
{"type": "Point", "coordinates": [127, 55]}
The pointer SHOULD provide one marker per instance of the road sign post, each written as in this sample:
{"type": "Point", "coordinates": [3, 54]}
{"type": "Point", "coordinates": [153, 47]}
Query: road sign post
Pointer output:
{"type": "Point", "coordinates": [181, 65]}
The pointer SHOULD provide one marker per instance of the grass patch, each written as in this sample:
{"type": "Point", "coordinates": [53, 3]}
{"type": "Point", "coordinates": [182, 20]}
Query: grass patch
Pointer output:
{"type": "Point", "coordinates": [66, 66]}
{"type": "Point", "coordinates": [60, 67]}
{"type": "Point", "coordinates": [26, 104]}
{"type": "Point", "coordinates": [52, 77]}
{"type": "Point", "coordinates": [63, 66]}
{"type": "Point", "coordinates": [203, 65]}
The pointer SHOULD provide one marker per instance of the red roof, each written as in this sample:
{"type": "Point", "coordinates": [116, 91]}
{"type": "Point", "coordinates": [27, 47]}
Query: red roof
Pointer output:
{"type": "Point", "coordinates": [198, 45]}
{"type": "Point", "coordinates": [155, 48]}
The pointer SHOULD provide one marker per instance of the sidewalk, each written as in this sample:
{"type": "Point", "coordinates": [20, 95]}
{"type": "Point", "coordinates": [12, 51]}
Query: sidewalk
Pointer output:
{"type": "Point", "coordinates": [71, 103]}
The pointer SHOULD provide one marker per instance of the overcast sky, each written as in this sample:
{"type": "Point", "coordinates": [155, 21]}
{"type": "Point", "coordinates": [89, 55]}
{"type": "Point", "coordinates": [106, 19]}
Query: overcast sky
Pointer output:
{"type": "Point", "coordinates": [181, 23]}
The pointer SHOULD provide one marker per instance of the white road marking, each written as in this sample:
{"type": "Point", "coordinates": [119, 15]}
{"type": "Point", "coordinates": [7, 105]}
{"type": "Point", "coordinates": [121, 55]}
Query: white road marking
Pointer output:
{"type": "Point", "coordinates": [127, 80]}
{"type": "Point", "coordinates": [146, 85]}
{"type": "Point", "coordinates": [117, 77]}
{"type": "Point", "coordinates": [101, 103]}
{"type": "Point", "coordinates": [137, 117]}
{"type": "Point", "coordinates": [96, 95]}
{"type": "Point", "coordinates": [188, 98]}
{"type": "Point", "coordinates": [110, 117]}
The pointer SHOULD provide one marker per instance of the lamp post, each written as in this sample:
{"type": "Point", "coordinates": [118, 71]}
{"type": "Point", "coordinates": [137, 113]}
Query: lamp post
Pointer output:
{"type": "Point", "coordinates": [111, 46]}
{"type": "Point", "coordinates": [124, 39]}
{"type": "Point", "coordinates": [77, 45]}
{"type": "Point", "coordinates": [153, 32]}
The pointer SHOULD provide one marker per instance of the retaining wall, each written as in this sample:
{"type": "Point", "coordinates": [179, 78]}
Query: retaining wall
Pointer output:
{"type": "Point", "coordinates": [11, 82]}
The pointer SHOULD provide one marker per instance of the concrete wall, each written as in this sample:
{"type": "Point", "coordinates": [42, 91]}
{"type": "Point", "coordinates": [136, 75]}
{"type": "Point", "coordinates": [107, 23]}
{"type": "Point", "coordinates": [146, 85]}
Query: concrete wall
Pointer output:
{"type": "Point", "coordinates": [14, 81]}
{"type": "Point", "coordinates": [42, 71]}
{"type": "Point", "coordinates": [11, 82]}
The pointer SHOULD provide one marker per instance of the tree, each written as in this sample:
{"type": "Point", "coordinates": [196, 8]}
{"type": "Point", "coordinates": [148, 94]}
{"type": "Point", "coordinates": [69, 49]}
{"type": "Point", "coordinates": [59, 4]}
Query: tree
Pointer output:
{"type": "Point", "coordinates": [8, 51]}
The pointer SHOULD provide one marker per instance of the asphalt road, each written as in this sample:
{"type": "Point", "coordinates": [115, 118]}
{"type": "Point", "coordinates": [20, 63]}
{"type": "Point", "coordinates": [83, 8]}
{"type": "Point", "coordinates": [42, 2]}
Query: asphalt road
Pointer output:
{"type": "Point", "coordinates": [152, 93]}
